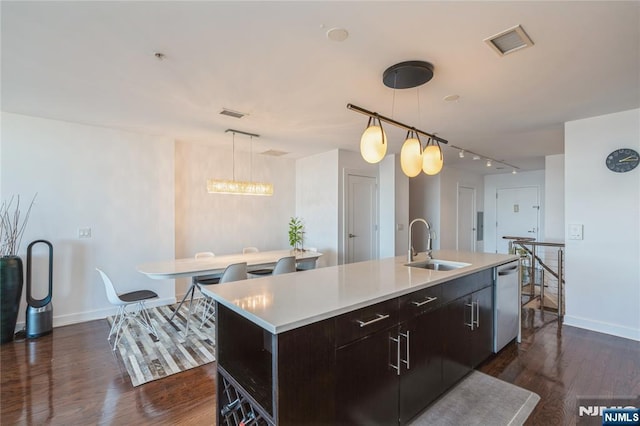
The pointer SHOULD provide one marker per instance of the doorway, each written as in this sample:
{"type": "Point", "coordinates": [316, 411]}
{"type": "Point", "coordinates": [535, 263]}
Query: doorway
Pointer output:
{"type": "Point", "coordinates": [466, 219]}
{"type": "Point", "coordinates": [517, 215]}
{"type": "Point", "coordinates": [361, 201]}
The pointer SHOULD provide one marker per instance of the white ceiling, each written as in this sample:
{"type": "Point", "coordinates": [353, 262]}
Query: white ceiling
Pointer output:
{"type": "Point", "coordinates": [94, 63]}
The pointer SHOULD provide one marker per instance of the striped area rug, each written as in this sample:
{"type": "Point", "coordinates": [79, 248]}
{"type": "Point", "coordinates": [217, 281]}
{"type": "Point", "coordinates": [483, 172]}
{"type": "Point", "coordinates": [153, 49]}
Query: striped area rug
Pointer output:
{"type": "Point", "coordinates": [147, 358]}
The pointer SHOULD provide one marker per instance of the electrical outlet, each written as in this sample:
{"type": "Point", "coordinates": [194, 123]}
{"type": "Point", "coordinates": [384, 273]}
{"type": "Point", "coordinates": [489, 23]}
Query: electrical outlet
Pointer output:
{"type": "Point", "coordinates": [84, 232]}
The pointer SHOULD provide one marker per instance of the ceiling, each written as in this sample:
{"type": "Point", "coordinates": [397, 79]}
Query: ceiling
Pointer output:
{"type": "Point", "coordinates": [93, 63]}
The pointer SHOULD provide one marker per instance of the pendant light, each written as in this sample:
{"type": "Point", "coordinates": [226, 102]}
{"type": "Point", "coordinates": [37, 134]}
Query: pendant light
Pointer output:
{"type": "Point", "coordinates": [373, 143]}
{"type": "Point", "coordinates": [221, 186]}
{"type": "Point", "coordinates": [411, 155]}
{"type": "Point", "coordinates": [432, 159]}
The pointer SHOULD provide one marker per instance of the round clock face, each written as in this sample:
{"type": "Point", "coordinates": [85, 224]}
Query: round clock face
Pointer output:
{"type": "Point", "coordinates": [623, 160]}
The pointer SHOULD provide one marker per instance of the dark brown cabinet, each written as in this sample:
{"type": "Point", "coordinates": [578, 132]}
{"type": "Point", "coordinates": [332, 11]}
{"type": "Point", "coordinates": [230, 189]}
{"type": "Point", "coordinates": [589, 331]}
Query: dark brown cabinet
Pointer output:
{"type": "Point", "coordinates": [421, 376]}
{"type": "Point", "coordinates": [389, 377]}
{"type": "Point", "coordinates": [379, 365]}
{"type": "Point", "coordinates": [467, 334]}
{"type": "Point", "coordinates": [366, 382]}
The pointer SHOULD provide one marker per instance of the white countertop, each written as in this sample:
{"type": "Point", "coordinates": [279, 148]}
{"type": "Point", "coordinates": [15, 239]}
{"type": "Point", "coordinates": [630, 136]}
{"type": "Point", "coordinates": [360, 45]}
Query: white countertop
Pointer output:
{"type": "Point", "coordinates": [285, 302]}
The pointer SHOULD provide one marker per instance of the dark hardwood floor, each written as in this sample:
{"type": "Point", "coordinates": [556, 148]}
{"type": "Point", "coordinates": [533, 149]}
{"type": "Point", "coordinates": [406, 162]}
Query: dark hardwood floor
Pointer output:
{"type": "Point", "coordinates": [72, 377]}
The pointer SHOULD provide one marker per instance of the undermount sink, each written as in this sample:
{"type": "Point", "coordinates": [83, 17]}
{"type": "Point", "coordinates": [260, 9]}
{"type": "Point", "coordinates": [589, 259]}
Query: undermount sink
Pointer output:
{"type": "Point", "coordinates": [437, 265]}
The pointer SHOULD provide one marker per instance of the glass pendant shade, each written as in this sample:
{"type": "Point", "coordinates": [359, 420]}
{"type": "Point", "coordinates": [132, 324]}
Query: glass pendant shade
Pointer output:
{"type": "Point", "coordinates": [411, 157]}
{"type": "Point", "coordinates": [373, 144]}
{"type": "Point", "coordinates": [432, 160]}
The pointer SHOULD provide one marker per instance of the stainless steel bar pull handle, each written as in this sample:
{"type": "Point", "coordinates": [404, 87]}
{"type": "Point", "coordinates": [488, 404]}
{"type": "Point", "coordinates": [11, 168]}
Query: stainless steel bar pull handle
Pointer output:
{"type": "Point", "coordinates": [397, 366]}
{"type": "Point", "coordinates": [472, 323]}
{"type": "Point", "coordinates": [477, 314]}
{"type": "Point", "coordinates": [509, 271]}
{"type": "Point", "coordinates": [424, 302]}
{"type": "Point", "coordinates": [379, 317]}
{"type": "Point", "coordinates": [406, 361]}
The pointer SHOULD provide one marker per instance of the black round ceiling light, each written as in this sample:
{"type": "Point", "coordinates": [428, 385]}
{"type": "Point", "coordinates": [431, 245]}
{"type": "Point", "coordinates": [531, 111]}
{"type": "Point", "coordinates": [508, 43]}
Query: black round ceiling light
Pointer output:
{"type": "Point", "coordinates": [406, 75]}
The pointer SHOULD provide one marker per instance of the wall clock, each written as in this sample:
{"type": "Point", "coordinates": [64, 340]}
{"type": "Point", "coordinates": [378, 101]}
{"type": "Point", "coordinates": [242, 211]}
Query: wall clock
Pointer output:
{"type": "Point", "coordinates": [623, 160]}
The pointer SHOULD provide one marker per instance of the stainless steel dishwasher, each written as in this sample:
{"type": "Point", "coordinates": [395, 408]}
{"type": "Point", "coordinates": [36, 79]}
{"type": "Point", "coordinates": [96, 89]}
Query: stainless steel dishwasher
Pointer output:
{"type": "Point", "coordinates": [507, 305]}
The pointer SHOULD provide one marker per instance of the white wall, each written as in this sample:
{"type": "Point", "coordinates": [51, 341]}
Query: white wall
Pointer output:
{"type": "Point", "coordinates": [387, 191]}
{"type": "Point", "coordinates": [492, 183]}
{"type": "Point", "coordinates": [394, 207]}
{"type": "Point", "coordinates": [554, 198]}
{"type": "Point", "coordinates": [225, 223]}
{"type": "Point", "coordinates": [316, 202]}
{"type": "Point", "coordinates": [402, 209]}
{"type": "Point", "coordinates": [603, 269]}
{"type": "Point", "coordinates": [424, 202]}
{"type": "Point", "coordinates": [119, 184]}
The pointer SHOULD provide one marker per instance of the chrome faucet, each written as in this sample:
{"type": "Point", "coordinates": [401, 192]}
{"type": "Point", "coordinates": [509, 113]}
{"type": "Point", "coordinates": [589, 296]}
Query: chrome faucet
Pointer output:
{"type": "Point", "coordinates": [411, 251]}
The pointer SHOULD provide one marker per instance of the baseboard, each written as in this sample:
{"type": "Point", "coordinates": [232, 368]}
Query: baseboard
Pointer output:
{"type": "Point", "coordinates": [75, 318]}
{"type": "Point", "coordinates": [603, 327]}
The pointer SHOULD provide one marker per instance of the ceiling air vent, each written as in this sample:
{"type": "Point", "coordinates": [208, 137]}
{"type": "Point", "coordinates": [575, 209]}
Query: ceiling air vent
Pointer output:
{"type": "Point", "coordinates": [274, 153]}
{"type": "Point", "coordinates": [509, 41]}
{"type": "Point", "coordinates": [232, 113]}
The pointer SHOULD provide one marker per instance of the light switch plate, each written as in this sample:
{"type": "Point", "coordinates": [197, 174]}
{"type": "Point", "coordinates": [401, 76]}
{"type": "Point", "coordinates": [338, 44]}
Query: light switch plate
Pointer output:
{"type": "Point", "coordinates": [84, 232]}
{"type": "Point", "coordinates": [575, 231]}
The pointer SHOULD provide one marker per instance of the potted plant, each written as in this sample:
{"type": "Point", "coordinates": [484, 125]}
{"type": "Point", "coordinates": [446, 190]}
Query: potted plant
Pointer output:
{"type": "Point", "coordinates": [11, 230]}
{"type": "Point", "coordinates": [296, 233]}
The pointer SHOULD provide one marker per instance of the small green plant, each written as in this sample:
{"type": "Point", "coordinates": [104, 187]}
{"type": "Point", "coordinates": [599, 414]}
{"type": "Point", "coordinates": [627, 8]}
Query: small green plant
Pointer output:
{"type": "Point", "coordinates": [296, 233]}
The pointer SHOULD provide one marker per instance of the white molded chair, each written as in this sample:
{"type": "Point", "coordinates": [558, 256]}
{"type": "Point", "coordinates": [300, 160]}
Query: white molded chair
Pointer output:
{"type": "Point", "coordinates": [123, 316]}
{"type": "Point", "coordinates": [305, 265]}
{"type": "Point", "coordinates": [233, 272]}
{"type": "Point", "coordinates": [285, 265]}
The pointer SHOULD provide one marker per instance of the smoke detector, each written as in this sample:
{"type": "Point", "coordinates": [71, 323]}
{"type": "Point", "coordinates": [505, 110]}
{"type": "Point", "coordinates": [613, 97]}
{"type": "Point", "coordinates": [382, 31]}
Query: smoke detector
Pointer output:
{"type": "Point", "coordinates": [509, 41]}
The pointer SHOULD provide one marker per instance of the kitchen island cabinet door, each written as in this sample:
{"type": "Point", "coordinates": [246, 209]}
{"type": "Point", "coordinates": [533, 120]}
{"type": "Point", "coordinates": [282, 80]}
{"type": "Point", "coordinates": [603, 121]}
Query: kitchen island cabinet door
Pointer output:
{"type": "Point", "coordinates": [421, 378]}
{"type": "Point", "coordinates": [456, 338]}
{"type": "Point", "coordinates": [366, 384]}
{"type": "Point", "coordinates": [482, 340]}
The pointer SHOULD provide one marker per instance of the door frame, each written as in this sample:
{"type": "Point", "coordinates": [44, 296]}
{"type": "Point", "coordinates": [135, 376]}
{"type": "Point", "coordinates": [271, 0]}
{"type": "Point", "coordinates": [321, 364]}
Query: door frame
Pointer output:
{"type": "Point", "coordinates": [343, 239]}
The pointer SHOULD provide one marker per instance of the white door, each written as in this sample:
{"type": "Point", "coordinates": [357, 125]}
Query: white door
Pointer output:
{"type": "Point", "coordinates": [466, 218]}
{"type": "Point", "coordinates": [361, 217]}
{"type": "Point", "coordinates": [517, 211]}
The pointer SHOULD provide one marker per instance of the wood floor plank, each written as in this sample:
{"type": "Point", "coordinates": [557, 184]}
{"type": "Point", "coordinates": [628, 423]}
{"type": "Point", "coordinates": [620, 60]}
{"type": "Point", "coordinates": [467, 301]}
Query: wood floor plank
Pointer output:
{"type": "Point", "coordinates": [73, 377]}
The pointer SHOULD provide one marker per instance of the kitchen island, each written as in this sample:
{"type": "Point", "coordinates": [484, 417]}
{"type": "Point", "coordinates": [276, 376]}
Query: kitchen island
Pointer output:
{"type": "Point", "coordinates": [366, 343]}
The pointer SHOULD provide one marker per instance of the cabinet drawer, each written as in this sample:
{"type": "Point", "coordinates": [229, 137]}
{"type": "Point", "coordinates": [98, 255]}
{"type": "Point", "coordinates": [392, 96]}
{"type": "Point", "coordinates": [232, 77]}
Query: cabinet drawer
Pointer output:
{"type": "Point", "coordinates": [419, 302]}
{"type": "Point", "coordinates": [466, 285]}
{"type": "Point", "coordinates": [360, 323]}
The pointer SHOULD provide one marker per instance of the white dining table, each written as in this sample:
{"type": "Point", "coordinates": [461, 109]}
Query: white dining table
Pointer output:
{"type": "Point", "coordinates": [215, 265]}
{"type": "Point", "coordinates": [191, 267]}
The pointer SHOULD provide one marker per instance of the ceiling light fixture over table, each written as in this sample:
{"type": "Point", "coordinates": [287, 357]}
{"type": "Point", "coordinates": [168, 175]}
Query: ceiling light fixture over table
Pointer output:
{"type": "Point", "coordinates": [220, 186]}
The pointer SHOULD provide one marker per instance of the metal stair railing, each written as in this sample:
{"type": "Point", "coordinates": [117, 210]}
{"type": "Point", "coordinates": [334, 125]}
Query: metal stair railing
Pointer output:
{"type": "Point", "coordinates": [530, 249]}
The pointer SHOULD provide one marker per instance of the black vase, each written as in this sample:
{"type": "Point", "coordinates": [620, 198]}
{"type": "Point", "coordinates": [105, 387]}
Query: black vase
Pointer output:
{"type": "Point", "coordinates": [10, 294]}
